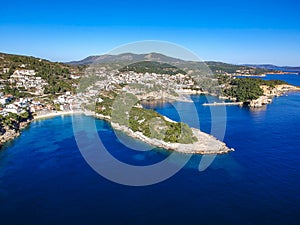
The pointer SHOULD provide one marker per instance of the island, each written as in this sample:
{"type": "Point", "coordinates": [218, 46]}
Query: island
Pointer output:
{"type": "Point", "coordinates": [115, 87]}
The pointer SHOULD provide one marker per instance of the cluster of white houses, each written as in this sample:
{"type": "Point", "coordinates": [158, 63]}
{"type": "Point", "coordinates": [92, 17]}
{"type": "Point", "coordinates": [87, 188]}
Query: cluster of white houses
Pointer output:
{"type": "Point", "coordinates": [105, 80]}
{"type": "Point", "coordinates": [240, 72]}
{"type": "Point", "coordinates": [18, 106]}
{"type": "Point", "coordinates": [108, 80]}
{"type": "Point", "coordinates": [10, 105]}
{"type": "Point", "coordinates": [28, 80]}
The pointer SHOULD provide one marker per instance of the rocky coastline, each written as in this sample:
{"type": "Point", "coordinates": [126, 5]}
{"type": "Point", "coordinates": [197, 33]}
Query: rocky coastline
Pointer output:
{"type": "Point", "coordinates": [8, 134]}
{"type": "Point", "coordinates": [206, 144]}
{"type": "Point", "coordinates": [270, 93]}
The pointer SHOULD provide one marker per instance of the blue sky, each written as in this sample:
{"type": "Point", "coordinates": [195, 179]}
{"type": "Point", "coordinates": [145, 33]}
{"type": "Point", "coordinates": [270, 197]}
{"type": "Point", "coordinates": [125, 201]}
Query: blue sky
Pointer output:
{"type": "Point", "coordinates": [230, 31]}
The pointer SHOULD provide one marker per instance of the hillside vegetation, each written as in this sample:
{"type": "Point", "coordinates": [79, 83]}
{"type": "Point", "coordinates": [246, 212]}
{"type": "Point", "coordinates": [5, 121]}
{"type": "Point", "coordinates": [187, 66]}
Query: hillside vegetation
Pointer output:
{"type": "Point", "coordinates": [124, 109]}
{"type": "Point", "coordinates": [57, 75]}
{"type": "Point", "coordinates": [246, 89]}
{"type": "Point", "coordinates": [152, 67]}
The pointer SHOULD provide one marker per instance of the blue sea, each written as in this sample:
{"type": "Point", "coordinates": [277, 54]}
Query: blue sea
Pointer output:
{"type": "Point", "coordinates": [45, 180]}
{"type": "Point", "coordinates": [289, 78]}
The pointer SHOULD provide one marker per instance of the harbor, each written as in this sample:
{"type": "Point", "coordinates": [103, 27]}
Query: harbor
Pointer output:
{"type": "Point", "coordinates": [223, 103]}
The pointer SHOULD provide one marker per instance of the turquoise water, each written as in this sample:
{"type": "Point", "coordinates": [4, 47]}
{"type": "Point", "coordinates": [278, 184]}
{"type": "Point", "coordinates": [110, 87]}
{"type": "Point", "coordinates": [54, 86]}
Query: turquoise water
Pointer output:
{"type": "Point", "coordinates": [45, 180]}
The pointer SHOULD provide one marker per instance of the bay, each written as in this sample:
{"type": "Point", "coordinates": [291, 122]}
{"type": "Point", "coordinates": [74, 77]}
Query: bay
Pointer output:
{"type": "Point", "coordinates": [45, 180]}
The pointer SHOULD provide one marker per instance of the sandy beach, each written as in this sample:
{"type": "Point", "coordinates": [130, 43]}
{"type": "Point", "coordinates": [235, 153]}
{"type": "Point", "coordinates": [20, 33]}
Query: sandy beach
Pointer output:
{"type": "Point", "coordinates": [206, 143]}
{"type": "Point", "coordinates": [56, 113]}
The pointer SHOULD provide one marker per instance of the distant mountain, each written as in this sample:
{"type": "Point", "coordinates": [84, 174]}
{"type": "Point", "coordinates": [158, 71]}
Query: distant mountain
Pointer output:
{"type": "Point", "coordinates": [273, 67]}
{"type": "Point", "coordinates": [129, 58]}
{"type": "Point", "coordinates": [126, 57]}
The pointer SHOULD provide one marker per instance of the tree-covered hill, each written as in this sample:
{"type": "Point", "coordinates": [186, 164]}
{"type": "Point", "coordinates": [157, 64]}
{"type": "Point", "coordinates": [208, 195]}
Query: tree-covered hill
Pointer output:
{"type": "Point", "coordinates": [126, 58]}
{"type": "Point", "coordinates": [152, 67]}
{"type": "Point", "coordinates": [247, 89]}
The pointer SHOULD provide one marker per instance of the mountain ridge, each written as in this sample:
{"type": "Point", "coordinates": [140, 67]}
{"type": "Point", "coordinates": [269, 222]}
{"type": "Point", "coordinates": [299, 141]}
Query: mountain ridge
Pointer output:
{"type": "Point", "coordinates": [124, 57]}
{"type": "Point", "coordinates": [158, 57]}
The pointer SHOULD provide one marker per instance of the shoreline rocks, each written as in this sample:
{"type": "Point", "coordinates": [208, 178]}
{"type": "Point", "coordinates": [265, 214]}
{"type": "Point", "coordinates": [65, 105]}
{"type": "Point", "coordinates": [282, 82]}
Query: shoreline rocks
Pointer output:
{"type": "Point", "coordinates": [9, 134]}
{"type": "Point", "coordinates": [270, 93]}
{"type": "Point", "coordinates": [206, 144]}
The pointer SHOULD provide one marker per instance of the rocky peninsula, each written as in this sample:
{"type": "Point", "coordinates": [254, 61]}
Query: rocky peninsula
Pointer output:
{"type": "Point", "coordinates": [270, 92]}
{"type": "Point", "coordinates": [203, 144]}
{"type": "Point", "coordinates": [255, 92]}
